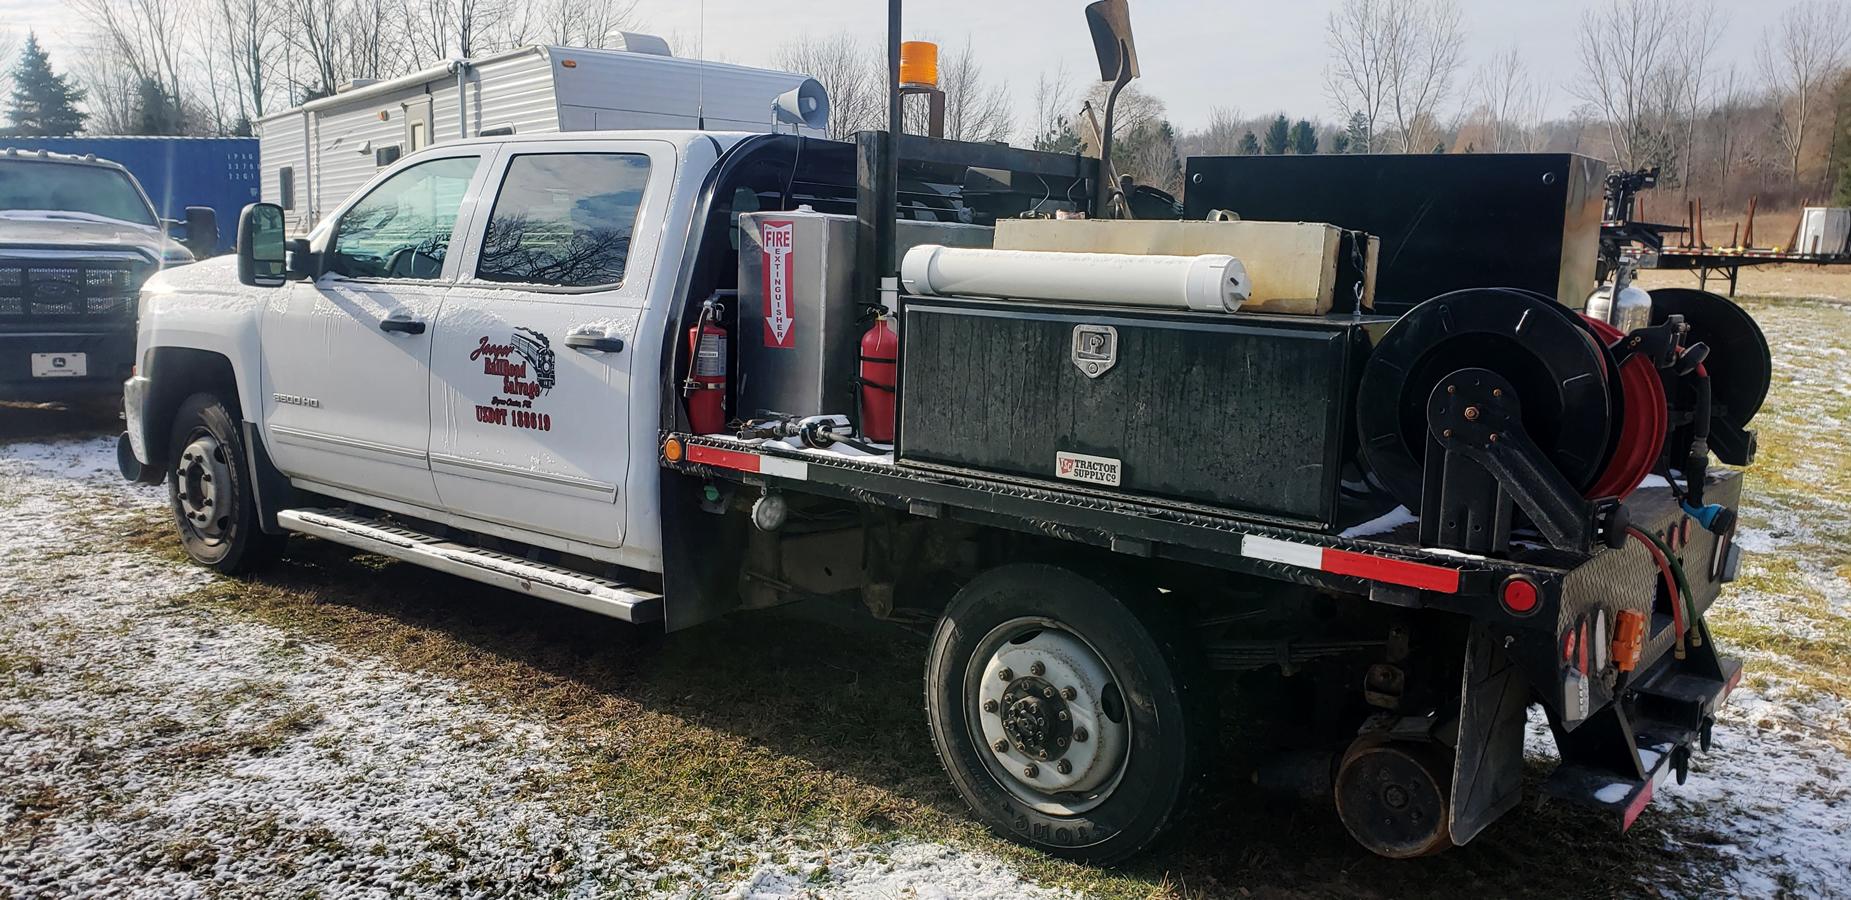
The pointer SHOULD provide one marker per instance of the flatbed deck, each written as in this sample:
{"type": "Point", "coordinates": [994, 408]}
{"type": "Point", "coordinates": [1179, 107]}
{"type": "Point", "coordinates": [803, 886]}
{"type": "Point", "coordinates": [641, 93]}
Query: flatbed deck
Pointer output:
{"type": "Point", "coordinates": [1381, 557]}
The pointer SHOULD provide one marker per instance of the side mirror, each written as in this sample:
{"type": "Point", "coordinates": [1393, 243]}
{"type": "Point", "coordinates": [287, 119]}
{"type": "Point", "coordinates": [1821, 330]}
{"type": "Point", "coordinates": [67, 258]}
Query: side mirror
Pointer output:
{"type": "Point", "coordinates": [260, 245]}
{"type": "Point", "coordinates": [202, 231]}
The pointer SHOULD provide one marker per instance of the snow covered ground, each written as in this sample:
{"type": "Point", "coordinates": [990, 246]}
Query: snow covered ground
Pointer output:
{"type": "Point", "coordinates": [149, 748]}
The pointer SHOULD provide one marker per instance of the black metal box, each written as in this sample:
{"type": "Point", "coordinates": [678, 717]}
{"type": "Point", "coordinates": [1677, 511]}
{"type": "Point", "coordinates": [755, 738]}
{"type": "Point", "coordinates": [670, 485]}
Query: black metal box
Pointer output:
{"type": "Point", "coordinates": [1447, 221]}
{"type": "Point", "coordinates": [1246, 413]}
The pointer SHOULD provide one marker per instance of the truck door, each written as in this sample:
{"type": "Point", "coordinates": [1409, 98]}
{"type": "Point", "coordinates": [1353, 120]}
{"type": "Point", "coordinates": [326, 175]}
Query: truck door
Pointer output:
{"type": "Point", "coordinates": [530, 394]}
{"type": "Point", "coordinates": [346, 357]}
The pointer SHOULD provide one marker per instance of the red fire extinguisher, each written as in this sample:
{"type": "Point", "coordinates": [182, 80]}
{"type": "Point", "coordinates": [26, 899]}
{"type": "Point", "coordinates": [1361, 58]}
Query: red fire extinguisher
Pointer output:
{"type": "Point", "coordinates": [705, 388]}
{"type": "Point", "coordinates": [880, 357]}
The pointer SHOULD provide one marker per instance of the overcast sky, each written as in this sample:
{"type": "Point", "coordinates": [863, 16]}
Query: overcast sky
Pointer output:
{"type": "Point", "coordinates": [1257, 56]}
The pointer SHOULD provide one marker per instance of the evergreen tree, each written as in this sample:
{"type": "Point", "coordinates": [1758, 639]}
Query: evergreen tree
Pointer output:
{"type": "Point", "coordinates": [1304, 138]}
{"type": "Point", "coordinates": [1439, 147]}
{"type": "Point", "coordinates": [1059, 138]}
{"type": "Point", "coordinates": [1278, 136]}
{"type": "Point", "coordinates": [1357, 136]}
{"type": "Point", "coordinates": [1340, 142]}
{"type": "Point", "coordinates": [1249, 145]}
{"type": "Point", "coordinates": [156, 111]}
{"type": "Point", "coordinates": [44, 103]}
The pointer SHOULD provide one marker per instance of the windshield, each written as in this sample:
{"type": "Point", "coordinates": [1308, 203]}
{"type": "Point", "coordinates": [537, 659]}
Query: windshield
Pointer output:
{"type": "Point", "coordinates": [59, 187]}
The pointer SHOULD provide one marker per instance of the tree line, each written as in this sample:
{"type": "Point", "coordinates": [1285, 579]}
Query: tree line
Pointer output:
{"type": "Point", "coordinates": [1650, 86]}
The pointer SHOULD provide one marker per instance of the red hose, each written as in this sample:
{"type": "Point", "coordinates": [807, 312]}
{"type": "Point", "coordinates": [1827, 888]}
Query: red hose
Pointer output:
{"type": "Point", "coordinates": [1642, 431]}
{"type": "Point", "coordinates": [1664, 569]}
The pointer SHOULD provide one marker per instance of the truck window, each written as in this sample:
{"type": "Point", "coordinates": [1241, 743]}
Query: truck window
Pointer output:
{"type": "Point", "coordinates": [72, 188]}
{"type": "Point", "coordinates": [401, 229]}
{"type": "Point", "coordinates": [564, 219]}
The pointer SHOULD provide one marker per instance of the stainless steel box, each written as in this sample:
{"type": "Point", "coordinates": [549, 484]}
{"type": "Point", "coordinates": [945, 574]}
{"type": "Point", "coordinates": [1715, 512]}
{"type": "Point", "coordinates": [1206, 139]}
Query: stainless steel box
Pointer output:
{"type": "Point", "coordinates": [797, 313]}
{"type": "Point", "coordinates": [798, 341]}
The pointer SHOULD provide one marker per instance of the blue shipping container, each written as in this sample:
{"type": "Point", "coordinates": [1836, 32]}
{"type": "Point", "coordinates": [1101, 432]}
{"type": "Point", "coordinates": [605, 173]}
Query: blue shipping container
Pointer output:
{"type": "Point", "coordinates": [177, 172]}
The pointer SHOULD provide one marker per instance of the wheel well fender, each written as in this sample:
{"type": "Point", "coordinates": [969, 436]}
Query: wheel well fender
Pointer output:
{"type": "Point", "coordinates": [176, 373]}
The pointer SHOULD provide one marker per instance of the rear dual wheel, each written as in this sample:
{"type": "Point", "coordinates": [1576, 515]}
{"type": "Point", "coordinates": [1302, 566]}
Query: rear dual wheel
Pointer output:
{"type": "Point", "coordinates": [1072, 718]}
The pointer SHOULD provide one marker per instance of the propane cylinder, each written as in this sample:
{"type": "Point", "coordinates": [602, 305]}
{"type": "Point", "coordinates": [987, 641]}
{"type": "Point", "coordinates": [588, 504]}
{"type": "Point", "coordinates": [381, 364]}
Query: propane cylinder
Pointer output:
{"type": "Point", "coordinates": [880, 357]}
{"type": "Point", "coordinates": [1621, 303]}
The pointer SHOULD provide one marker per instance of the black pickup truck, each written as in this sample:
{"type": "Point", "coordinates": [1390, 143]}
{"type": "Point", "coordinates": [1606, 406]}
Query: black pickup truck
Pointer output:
{"type": "Point", "coordinates": [78, 237]}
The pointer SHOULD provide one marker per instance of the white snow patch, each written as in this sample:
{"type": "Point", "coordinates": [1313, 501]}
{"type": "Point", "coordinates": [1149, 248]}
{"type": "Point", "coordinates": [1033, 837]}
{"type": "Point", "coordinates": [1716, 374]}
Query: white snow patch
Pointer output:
{"type": "Point", "coordinates": [178, 751]}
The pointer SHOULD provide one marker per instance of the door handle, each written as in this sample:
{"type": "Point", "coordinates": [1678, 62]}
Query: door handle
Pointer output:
{"type": "Point", "coordinates": [594, 342]}
{"type": "Point", "coordinates": [402, 326]}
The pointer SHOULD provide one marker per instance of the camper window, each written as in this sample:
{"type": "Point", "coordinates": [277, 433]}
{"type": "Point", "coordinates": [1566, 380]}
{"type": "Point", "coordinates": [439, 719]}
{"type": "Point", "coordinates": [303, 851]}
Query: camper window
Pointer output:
{"type": "Point", "coordinates": [286, 187]}
{"type": "Point", "coordinates": [564, 219]}
{"type": "Point", "coordinates": [401, 228]}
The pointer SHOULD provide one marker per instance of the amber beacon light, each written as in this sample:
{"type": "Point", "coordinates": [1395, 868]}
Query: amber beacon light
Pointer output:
{"type": "Point", "coordinates": [918, 64]}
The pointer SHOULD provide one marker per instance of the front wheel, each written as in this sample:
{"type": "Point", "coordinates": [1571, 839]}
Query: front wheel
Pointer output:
{"type": "Point", "coordinates": [1071, 720]}
{"type": "Point", "coordinates": [208, 486]}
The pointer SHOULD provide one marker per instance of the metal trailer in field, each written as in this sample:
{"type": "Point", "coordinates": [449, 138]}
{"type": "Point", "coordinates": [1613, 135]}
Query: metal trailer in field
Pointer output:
{"type": "Point", "coordinates": [316, 154]}
{"type": "Point", "coordinates": [176, 172]}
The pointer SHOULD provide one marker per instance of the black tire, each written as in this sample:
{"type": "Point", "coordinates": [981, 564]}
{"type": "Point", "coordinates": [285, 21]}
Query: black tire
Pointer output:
{"type": "Point", "coordinates": [209, 489]}
{"type": "Point", "coordinates": [1167, 704]}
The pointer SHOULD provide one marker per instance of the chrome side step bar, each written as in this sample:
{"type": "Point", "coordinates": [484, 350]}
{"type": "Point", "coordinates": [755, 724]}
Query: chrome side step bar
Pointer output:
{"type": "Point", "coordinates": [560, 585]}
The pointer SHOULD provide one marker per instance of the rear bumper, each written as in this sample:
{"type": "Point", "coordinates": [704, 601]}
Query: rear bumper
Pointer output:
{"type": "Point", "coordinates": [1627, 750]}
{"type": "Point", "coordinates": [108, 357]}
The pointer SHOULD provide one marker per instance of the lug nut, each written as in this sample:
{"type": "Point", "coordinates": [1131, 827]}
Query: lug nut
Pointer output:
{"type": "Point", "coordinates": [1063, 715]}
{"type": "Point", "coordinates": [1041, 754]}
{"type": "Point", "coordinates": [1471, 414]}
{"type": "Point", "coordinates": [1000, 746]}
{"type": "Point", "coordinates": [989, 706]}
{"type": "Point", "coordinates": [1064, 767]}
{"type": "Point", "coordinates": [1037, 669]}
{"type": "Point", "coordinates": [1068, 693]}
{"type": "Point", "coordinates": [1031, 770]}
{"type": "Point", "coordinates": [1048, 693]}
{"type": "Point", "coordinates": [1079, 734]}
{"type": "Point", "coordinates": [1007, 674]}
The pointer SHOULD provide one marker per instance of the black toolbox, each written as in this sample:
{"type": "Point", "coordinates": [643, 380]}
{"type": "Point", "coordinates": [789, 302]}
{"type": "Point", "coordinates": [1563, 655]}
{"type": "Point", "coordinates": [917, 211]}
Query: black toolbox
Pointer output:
{"type": "Point", "coordinates": [1246, 413]}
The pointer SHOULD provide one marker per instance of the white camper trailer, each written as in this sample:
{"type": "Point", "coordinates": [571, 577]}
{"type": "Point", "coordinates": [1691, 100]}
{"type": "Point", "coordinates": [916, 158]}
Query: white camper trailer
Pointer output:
{"type": "Point", "coordinates": [316, 154]}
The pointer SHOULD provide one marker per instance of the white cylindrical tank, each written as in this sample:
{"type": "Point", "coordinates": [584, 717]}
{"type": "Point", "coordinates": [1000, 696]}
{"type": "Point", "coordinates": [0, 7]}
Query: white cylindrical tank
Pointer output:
{"type": "Point", "coordinates": [1213, 282]}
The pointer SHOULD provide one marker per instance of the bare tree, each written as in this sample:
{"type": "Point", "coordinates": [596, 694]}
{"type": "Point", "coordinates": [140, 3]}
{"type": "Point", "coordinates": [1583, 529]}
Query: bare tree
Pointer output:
{"type": "Point", "coordinates": [1425, 45]}
{"type": "Point", "coordinates": [1357, 77]}
{"type": "Point", "coordinates": [581, 23]}
{"type": "Point", "coordinates": [851, 76]}
{"type": "Point", "coordinates": [1693, 45]}
{"type": "Point", "coordinates": [1800, 59]}
{"type": "Point", "coordinates": [975, 109]}
{"type": "Point", "coordinates": [1056, 103]}
{"type": "Point", "coordinates": [1510, 100]}
{"type": "Point", "coordinates": [1222, 136]}
{"type": "Point", "coordinates": [1727, 114]}
{"type": "Point", "coordinates": [1395, 60]}
{"type": "Point", "coordinates": [1624, 47]}
{"type": "Point", "coordinates": [148, 37]}
{"type": "Point", "coordinates": [316, 28]}
{"type": "Point", "coordinates": [251, 38]}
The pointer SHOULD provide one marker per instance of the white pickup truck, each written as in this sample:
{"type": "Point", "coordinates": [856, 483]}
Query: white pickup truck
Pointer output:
{"type": "Point", "coordinates": [487, 360]}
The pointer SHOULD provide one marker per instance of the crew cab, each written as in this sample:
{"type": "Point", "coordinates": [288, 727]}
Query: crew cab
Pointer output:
{"type": "Point", "coordinates": [77, 239]}
{"type": "Point", "coordinates": [486, 361]}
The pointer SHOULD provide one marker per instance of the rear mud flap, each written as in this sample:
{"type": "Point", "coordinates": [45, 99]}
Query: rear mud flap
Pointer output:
{"type": "Point", "coordinates": [1488, 767]}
